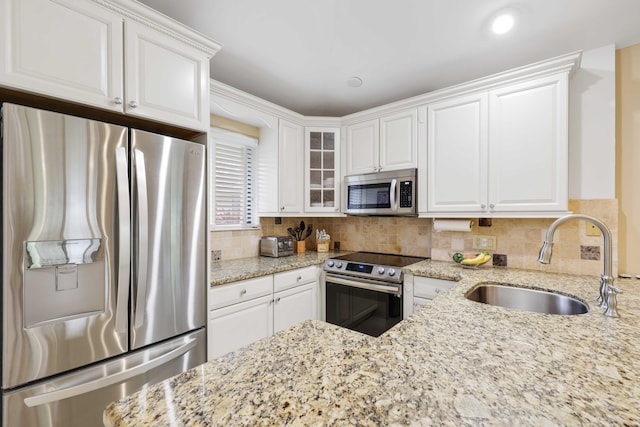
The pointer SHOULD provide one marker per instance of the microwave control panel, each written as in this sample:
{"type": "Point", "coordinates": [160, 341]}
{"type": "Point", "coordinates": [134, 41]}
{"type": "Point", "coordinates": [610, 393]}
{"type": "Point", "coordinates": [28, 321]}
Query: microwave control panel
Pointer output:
{"type": "Point", "coordinates": [406, 194]}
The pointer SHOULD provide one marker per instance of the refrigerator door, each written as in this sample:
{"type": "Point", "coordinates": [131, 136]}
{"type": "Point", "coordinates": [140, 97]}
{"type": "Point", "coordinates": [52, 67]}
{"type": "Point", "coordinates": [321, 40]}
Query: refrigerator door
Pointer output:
{"type": "Point", "coordinates": [78, 399]}
{"type": "Point", "coordinates": [169, 234]}
{"type": "Point", "coordinates": [65, 249]}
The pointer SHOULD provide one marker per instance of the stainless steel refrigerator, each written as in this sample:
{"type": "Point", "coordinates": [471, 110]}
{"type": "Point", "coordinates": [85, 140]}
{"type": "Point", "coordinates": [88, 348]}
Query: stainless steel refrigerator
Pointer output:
{"type": "Point", "coordinates": [103, 266]}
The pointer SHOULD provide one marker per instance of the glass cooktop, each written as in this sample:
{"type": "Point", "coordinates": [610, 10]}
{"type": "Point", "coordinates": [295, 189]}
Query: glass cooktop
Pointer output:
{"type": "Point", "coordinates": [390, 260]}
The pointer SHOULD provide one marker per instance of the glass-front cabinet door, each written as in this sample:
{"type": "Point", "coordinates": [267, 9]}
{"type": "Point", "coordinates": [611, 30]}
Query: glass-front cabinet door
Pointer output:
{"type": "Point", "coordinates": [322, 164]}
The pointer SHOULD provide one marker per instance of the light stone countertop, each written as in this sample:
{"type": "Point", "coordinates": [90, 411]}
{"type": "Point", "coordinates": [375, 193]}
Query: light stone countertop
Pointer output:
{"type": "Point", "coordinates": [454, 362]}
{"type": "Point", "coordinates": [228, 271]}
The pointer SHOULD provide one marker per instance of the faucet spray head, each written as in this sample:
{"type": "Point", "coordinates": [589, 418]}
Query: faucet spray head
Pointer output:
{"type": "Point", "coordinates": [544, 257]}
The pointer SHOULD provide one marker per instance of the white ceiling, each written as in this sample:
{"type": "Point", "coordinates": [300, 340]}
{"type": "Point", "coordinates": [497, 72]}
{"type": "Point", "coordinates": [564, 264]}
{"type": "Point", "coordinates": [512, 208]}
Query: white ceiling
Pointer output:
{"type": "Point", "coordinates": [300, 53]}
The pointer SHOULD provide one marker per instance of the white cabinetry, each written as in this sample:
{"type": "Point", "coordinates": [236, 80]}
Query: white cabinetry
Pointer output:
{"type": "Point", "coordinates": [246, 311]}
{"type": "Point", "coordinates": [65, 49]}
{"type": "Point", "coordinates": [290, 166]}
{"type": "Point", "coordinates": [241, 313]}
{"type": "Point", "coordinates": [165, 79]}
{"type": "Point", "coordinates": [419, 291]}
{"type": "Point", "coordinates": [322, 169]}
{"type": "Point", "coordinates": [457, 154]}
{"type": "Point", "coordinates": [501, 151]}
{"type": "Point", "coordinates": [388, 143]}
{"type": "Point", "coordinates": [363, 140]}
{"type": "Point", "coordinates": [399, 140]}
{"type": "Point", "coordinates": [528, 146]}
{"type": "Point", "coordinates": [83, 52]}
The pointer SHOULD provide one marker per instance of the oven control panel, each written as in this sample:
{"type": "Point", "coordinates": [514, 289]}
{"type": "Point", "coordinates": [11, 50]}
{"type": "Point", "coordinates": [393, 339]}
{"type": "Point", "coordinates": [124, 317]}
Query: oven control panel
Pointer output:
{"type": "Point", "coordinates": [372, 271]}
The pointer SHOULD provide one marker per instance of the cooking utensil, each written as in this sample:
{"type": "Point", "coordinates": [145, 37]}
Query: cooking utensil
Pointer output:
{"type": "Point", "coordinates": [293, 233]}
{"type": "Point", "coordinates": [309, 231]}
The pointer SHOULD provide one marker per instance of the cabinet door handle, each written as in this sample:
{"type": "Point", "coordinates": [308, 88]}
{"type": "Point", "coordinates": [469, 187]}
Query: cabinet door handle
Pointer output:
{"type": "Point", "coordinates": [278, 300]}
{"type": "Point", "coordinates": [133, 104]}
{"type": "Point", "coordinates": [117, 100]}
{"type": "Point", "coordinates": [282, 208]}
{"type": "Point", "coordinates": [483, 206]}
{"type": "Point", "coordinates": [299, 278]}
{"type": "Point", "coordinates": [492, 205]}
{"type": "Point", "coordinates": [243, 292]}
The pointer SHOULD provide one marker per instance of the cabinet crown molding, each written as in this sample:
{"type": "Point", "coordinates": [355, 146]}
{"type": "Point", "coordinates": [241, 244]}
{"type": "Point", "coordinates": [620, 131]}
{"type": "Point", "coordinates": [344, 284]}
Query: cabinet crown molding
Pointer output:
{"type": "Point", "coordinates": [567, 63]}
{"type": "Point", "coordinates": [145, 15]}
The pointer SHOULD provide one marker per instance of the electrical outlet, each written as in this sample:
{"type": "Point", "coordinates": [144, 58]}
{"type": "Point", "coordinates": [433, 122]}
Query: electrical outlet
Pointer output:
{"type": "Point", "coordinates": [484, 243]}
{"type": "Point", "coordinates": [216, 255]}
{"type": "Point", "coordinates": [592, 230]}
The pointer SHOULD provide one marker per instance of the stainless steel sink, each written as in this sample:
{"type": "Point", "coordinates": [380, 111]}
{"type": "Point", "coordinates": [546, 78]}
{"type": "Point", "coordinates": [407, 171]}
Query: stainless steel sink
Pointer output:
{"type": "Point", "coordinates": [505, 295]}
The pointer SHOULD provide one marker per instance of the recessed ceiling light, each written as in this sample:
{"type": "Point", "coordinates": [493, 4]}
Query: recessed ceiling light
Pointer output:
{"type": "Point", "coordinates": [354, 82]}
{"type": "Point", "coordinates": [503, 23]}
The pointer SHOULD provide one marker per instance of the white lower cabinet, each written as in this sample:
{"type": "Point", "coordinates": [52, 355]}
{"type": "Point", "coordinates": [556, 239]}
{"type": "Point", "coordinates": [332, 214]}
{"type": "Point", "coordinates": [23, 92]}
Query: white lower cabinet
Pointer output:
{"type": "Point", "coordinates": [295, 305]}
{"type": "Point", "coordinates": [420, 291]}
{"type": "Point", "coordinates": [241, 313]}
{"type": "Point", "coordinates": [238, 325]}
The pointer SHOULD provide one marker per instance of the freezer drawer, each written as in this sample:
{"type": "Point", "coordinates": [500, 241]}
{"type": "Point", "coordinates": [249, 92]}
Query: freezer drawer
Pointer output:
{"type": "Point", "coordinates": [78, 399]}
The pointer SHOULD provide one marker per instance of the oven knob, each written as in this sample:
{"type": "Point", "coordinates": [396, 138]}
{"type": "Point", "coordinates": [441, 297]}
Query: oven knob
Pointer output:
{"type": "Point", "coordinates": [339, 265]}
{"type": "Point", "coordinates": [392, 272]}
{"type": "Point", "coordinates": [330, 263]}
{"type": "Point", "coordinates": [380, 270]}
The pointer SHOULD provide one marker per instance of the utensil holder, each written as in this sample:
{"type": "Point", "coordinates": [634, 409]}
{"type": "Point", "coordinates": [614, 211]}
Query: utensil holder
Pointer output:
{"type": "Point", "coordinates": [323, 246]}
{"type": "Point", "coordinates": [300, 246]}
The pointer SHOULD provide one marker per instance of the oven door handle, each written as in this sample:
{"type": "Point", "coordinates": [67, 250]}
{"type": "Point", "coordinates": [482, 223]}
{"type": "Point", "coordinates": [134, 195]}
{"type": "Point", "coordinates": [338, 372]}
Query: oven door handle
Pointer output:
{"type": "Point", "coordinates": [364, 284]}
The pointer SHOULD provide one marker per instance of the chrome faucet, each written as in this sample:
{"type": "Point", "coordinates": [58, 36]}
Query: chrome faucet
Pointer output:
{"type": "Point", "coordinates": [608, 293]}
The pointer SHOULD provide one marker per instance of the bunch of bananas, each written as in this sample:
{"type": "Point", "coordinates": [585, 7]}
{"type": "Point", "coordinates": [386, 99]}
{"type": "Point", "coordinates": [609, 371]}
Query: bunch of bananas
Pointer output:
{"type": "Point", "coordinates": [480, 258]}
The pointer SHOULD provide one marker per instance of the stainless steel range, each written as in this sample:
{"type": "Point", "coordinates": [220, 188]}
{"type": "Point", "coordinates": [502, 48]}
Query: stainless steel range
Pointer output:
{"type": "Point", "coordinates": [364, 290]}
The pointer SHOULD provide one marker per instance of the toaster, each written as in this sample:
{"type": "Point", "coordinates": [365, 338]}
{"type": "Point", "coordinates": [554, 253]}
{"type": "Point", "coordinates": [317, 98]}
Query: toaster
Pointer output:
{"type": "Point", "coordinates": [276, 246]}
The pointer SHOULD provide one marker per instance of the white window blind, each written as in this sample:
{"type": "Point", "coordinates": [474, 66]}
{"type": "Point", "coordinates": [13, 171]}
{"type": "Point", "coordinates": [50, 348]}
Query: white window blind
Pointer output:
{"type": "Point", "coordinates": [234, 176]}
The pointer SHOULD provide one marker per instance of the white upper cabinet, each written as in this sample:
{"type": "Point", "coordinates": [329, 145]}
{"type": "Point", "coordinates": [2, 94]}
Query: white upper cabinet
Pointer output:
{"type": "Point", "coordinates": [528, 146]}
{"type": "Point", "coordinates": [501, 151]}
{"type": "Point", "coordinates": [84, 52]}
{"type": "Point", "coordinates": [322, 169]}
{"type": "Point", "coordinates": [291, 167]}
{"type": "Point", "coordinates": [166, 80]}
{"type": "Point", "coordinates": [65, 49]}
{"type": "Point", "coordinates": [457, 154]}
{"type": "Point", "coordinates": [363, 140]}
{"type": "Point", "coordinates": [399, 140]}
{"type": "Point", "coordinates": [388, 143]}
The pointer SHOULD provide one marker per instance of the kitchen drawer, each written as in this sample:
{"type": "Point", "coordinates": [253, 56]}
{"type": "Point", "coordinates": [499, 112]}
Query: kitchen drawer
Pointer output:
{"type": "Point", "coordinates": [245, 290]}
{"type": "Point", "coordinates": [426, 287]}
{"type": "Point", "coordinates": [289, 279]}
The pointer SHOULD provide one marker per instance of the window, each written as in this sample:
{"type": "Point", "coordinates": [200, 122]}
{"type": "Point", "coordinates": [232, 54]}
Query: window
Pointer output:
{"type": "Point", "coordinates": [234, 160]}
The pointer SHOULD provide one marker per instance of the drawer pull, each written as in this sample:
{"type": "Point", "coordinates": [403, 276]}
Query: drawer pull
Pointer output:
{"type": "Point", "coordinates": [299, 278]}
{"type": "Point", "coordinates": [243, 292]}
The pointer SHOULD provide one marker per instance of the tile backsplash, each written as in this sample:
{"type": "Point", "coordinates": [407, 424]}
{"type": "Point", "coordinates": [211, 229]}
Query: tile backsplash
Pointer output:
{"type": "Point", "coordinates": [520, 239]}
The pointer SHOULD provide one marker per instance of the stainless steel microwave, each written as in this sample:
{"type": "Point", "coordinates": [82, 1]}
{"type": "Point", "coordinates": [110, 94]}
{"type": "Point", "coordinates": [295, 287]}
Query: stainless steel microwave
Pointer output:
{"type": "Point", "coordinates": [390, 193]}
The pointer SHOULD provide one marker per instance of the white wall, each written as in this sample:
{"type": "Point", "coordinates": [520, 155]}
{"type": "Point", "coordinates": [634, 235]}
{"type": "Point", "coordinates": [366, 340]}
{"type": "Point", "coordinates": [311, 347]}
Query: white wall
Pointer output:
{"type": "Point", "coordinates": [592, 136]}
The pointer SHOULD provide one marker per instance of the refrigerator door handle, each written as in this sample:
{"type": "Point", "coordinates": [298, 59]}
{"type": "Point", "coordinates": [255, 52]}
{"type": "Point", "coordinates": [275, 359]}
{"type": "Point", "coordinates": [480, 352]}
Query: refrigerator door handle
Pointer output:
{"type": "Point", "coordinates": [87, 387]}
{"type": "Point", "coordinates": [143, 237]}
{"type": "Point", "coordinates": [124, 241]}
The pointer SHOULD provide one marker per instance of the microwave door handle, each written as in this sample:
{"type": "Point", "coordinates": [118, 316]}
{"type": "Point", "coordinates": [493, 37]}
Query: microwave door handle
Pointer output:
{"type": "Point", "coordinates": [124, 248]}
{"type": "Point", "coordinates": [392, 195]}
{"type": "Point", "coordinates": [143, 237]}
